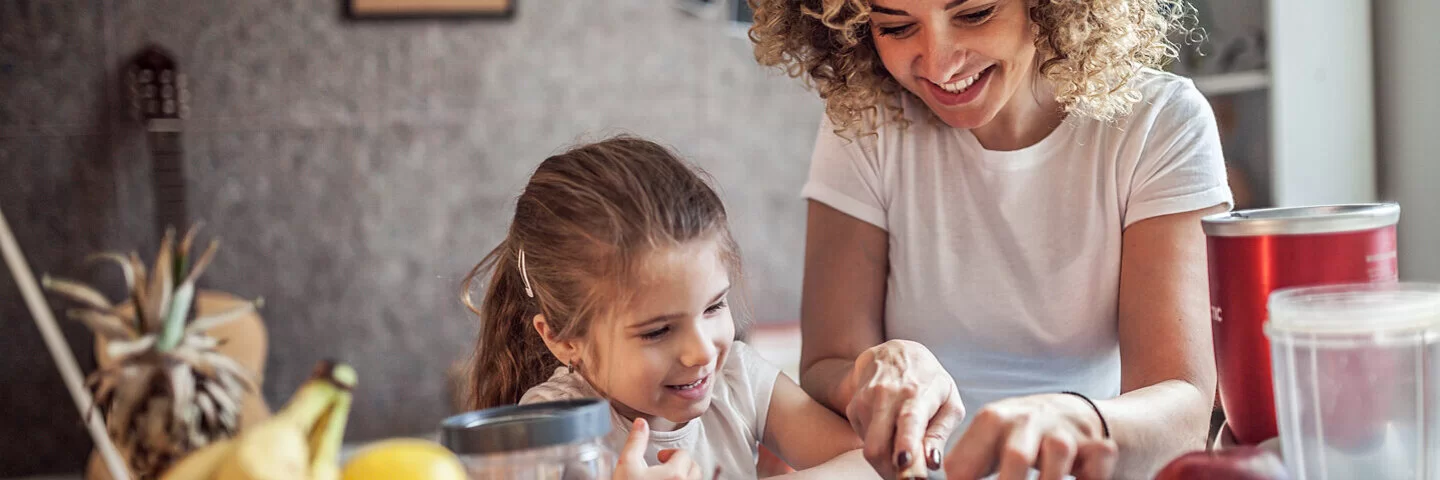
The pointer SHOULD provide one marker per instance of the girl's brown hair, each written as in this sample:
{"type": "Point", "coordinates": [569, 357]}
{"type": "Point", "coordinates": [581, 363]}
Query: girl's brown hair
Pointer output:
{"type": "Point", "coordinates": [584, 220]}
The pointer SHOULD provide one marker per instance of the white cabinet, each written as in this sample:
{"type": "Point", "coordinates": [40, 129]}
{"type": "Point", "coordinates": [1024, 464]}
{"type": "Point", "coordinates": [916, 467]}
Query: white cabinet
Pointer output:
{"type": "Point", "coordinates": [1293, 86]}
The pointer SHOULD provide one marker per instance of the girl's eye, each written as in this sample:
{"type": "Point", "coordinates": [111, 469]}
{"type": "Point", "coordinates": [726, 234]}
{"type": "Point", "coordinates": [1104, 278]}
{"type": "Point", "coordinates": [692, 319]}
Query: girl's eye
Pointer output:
{"type": "Point", "coordinates": [895, 31]}
{"type": "Point", "coordinates": [656, 333]}
{"type": "Point", "coordinates": [976, 17]}
{"type": "Point", "coordinates": [718, 306]}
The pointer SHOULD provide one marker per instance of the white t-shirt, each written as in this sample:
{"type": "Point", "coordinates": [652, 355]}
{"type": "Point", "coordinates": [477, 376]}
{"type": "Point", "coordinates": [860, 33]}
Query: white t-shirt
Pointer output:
{"type": "Point", "coordinates": [727, 435]}
{"type": "Point", "coordinates": [1006, 264]}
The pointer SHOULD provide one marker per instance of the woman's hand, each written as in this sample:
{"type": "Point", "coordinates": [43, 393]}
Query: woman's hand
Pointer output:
{"type": "Point", "coordinates": [676, 464]}
{"type": "Point", "coordinates": [904, 406]}
{"type": "Point", "coordinates": [1058, 434]}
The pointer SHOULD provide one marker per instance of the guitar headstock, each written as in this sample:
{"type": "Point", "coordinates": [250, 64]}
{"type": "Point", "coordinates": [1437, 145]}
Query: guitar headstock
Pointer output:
{"type": "Point", "coordinates": [156, 87]}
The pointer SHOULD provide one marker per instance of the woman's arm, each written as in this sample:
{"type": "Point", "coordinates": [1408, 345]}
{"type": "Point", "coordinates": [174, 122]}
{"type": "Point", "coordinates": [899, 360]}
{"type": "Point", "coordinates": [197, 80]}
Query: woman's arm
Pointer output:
{"type": "Point", "coordinates": [1167, 376]}
{"type": "Point", "coordinates": [1166, 353]}
{"type": "Point", "coordinates": [802, 431]}
{"type": "Point", "coordinates": [895, 394]}
{"type": "Point", "coordinates": [842, 304]}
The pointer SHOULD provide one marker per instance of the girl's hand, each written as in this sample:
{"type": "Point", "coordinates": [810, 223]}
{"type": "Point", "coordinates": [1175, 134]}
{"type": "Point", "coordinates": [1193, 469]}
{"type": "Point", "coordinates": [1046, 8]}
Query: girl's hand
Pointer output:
{"type": "Point", "coordinates": [905, 405]}
{"type": "Point", "coordinates": [676, 464]}
{"type": "Point", "coordinates": [1058, 434]}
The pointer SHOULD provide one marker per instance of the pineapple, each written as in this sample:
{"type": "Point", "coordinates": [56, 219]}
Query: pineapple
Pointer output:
{"type": "Point", "coordinates": [168, 390]}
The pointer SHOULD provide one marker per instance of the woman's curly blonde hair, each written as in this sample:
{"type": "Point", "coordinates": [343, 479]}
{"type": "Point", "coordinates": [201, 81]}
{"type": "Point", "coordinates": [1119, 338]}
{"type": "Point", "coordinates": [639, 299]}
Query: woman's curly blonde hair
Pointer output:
{"type": "Point", "coordinates": [1089, 50]}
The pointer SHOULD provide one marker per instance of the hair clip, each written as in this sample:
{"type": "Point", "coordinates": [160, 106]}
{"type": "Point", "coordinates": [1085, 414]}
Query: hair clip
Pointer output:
{"type": "Point", "coordinates": [525, 276]}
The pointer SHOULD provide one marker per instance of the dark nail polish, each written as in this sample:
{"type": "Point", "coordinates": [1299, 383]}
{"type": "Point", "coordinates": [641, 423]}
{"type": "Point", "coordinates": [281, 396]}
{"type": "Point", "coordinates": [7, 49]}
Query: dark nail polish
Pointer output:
{"type": "Point", "coordinates": [932, 459]}
{"type": "Point", "coordinates": [902, 461]}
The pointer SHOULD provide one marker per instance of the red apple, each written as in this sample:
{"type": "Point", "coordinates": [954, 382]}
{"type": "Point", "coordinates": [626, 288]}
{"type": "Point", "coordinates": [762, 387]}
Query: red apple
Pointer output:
{"type": "Point", "coordinates": [1236, 463]}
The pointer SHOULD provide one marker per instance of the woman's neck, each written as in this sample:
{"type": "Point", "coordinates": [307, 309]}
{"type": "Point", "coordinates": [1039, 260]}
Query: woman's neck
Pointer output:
{"type": "Point", "coordinates": [1030, 115]}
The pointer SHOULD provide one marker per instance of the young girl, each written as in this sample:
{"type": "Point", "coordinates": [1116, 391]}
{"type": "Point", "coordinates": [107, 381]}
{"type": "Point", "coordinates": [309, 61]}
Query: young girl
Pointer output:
{"type": "Point", "coordinates": [614, 281]}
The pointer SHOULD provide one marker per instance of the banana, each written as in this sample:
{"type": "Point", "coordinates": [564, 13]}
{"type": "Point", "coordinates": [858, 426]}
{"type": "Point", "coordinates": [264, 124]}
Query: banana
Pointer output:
{"type": "Point", "coordinates": [269, 451]}
{"type": "Point", "coordinates": [201, 464]}
{"type": "Point", "coordinates": [301, 439]}
{"type": "Point", "coordinates": [326, 438]}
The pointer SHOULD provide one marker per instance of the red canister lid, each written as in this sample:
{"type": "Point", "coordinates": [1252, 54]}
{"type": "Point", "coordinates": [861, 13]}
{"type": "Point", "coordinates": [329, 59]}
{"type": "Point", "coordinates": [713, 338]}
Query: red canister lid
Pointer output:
{"type": "Point", "coordinates": [1302, 220]}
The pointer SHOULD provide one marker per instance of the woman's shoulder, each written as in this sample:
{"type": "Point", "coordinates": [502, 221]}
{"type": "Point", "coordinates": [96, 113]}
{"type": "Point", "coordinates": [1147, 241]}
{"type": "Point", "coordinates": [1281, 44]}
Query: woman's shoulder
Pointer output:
{"type": "Point", "coordinates": [1168, 102]}
{"type": "Point", "coordinates": [1163, 90]}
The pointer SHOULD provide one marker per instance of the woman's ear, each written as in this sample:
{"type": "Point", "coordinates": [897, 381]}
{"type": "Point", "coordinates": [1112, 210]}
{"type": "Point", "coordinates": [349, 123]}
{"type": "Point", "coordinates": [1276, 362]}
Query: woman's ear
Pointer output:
{"type": "Point", "coordinates": [568, 350]}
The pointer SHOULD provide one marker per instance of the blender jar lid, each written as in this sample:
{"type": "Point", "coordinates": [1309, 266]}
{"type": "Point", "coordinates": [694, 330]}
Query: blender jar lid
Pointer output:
{"type": "Point", "coordinates": [1356, 311]}
{"type": "Point", "coordinates": [522, 427]}
{"type": "Point", "coordinates": [1302, 220]}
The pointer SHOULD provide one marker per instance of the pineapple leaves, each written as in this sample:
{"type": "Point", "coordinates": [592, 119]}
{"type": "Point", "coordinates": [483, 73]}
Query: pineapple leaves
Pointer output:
{"type": "Point", "coordinates": [173, 330]}
{"type": "Point", "coordinates": [119, 260]}
{"type": "Point", "coordinates": [162, 284]}
{"type": "Point", "coordinates": [128, 396]}
{"type": "Point", "coordinates": [166, 389]}
{"type": "Point", "coordinates": [120, 351]}
{"type": "Point", "coordinates": [203, 261]}
{"type": "Point", "coordinates": [110, 326]}
{"type": "Point", "coordinates": [77, 291]}
{"type": "Point", "coordinates": [182, 391]}
{"type": "Point", "coordinates": [182, 261]}
{"type": "Point", "coordinates": [137, 294]}
{"type": "Point", "coordinates": [204, 324]}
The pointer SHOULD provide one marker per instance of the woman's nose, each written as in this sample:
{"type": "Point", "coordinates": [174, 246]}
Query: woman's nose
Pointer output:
{"type": "Point", "coordinates": [941, 56]}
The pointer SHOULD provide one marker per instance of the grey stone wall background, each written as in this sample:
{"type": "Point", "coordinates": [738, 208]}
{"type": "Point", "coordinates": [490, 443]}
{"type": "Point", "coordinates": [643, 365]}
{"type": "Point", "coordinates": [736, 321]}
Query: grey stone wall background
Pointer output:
{"type": "Point", "coordinates": [356, 170]}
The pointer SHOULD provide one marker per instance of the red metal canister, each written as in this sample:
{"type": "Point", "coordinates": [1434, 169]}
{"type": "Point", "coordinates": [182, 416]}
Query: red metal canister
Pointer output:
{"type": "Point", "coordinates": [1253, 252]}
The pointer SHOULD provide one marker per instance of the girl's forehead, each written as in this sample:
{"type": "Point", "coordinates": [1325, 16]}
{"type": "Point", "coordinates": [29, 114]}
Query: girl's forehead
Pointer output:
{"type": "Point", "coordinates": [664, 265]}
{"type": "Point", "coordinates": [676, 280]}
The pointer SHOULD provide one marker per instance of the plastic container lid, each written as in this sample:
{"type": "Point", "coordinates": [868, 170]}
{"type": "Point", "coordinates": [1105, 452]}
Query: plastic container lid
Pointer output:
{"type": "Point", "coordinates": [1302, 220]}
{"type": "Point", "coordinates": [1355, 311]}
{"type": "Point", "coordinates": [523, 427]}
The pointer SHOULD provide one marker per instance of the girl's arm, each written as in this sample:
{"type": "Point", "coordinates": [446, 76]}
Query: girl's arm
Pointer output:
{"type": "Point", "coordinates": [851, 464]}
{"type": "Point", "coordinates": [809, 436]}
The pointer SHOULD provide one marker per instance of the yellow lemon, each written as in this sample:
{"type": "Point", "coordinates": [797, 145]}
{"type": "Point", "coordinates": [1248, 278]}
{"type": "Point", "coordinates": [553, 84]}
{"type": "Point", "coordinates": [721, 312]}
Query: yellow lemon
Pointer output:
{"type": "Point", "coordinates": [404, 459]}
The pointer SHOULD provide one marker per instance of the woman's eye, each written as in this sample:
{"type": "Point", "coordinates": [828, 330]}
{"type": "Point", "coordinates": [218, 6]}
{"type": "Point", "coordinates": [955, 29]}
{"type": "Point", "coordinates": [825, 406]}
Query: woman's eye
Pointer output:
{"type": "Point", "coordinates": [976, 17]}
{"type": "Point", "coordinates": [715, 308]}
{"type": "Point", "coordinates": [656, 333]}
{"type": "Point", "coordinates": [895, 31]}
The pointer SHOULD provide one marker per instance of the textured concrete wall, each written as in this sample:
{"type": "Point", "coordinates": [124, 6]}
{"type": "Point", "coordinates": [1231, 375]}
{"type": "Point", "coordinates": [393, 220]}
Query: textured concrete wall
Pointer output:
{"type": "Point", "coordinates": [356, 170]}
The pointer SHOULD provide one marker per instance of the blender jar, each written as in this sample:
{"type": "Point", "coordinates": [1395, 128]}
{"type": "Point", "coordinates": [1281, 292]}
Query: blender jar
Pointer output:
{"type": "Point", "coordinates": [542, 441]}
{"type": "Point", "coordinates": [1357, 379]}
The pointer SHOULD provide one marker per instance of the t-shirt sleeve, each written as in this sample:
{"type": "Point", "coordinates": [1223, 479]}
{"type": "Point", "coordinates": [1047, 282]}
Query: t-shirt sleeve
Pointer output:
{"type": "Point", "coordinates": [752, 380]}
{"type": "Point", "coordinates": [561, 386]}
{"type": "Point", "coordinates": [1181, 167]}
{"type": "Point", "coordinates": [845, 174]}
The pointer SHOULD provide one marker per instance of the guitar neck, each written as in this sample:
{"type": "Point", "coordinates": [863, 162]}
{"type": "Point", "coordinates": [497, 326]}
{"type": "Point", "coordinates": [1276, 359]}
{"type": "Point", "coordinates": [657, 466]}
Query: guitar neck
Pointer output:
{"type": "Point", "coordinates": [160, 98]}
{"type": "Point", "coordinates": [167, 167]}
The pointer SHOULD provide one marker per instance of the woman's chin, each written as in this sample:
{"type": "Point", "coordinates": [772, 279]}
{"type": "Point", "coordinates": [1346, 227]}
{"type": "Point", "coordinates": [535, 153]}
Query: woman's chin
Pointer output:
{"type": "Point", "coordinates": [969, 116]}
{"type": "Point", "coordinates": [968, 119]}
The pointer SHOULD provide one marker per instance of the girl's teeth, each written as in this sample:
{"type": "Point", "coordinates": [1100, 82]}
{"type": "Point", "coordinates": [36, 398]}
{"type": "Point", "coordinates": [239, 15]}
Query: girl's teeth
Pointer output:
{"type": "Point", "coordinates": [688, 385]}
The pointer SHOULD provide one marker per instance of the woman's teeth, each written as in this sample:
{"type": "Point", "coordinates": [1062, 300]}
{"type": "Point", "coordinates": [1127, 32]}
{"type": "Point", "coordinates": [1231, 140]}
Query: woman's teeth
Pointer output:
{"type": "Point", "coordinates": [962, 84]}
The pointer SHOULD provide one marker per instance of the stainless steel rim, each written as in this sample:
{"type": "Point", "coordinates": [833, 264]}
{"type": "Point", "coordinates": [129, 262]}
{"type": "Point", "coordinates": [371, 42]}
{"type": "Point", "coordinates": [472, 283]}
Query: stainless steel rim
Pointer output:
{"type": "Point", "coordinates": [1302, 220]}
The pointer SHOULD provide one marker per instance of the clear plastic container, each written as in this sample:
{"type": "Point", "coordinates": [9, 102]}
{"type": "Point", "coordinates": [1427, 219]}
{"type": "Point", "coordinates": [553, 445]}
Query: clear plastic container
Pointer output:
{"type": "Point", "coordinates": [1357, 380]}
{"type": "Point", "coordinates": [542, 441]}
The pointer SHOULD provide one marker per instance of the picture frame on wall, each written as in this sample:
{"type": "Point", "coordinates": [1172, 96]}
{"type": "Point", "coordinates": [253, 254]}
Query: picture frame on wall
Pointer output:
{"type": "Point", "coordinates": [396, 9]}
